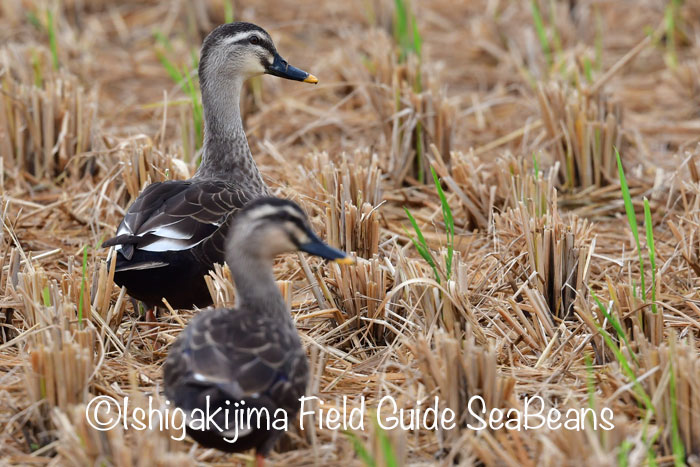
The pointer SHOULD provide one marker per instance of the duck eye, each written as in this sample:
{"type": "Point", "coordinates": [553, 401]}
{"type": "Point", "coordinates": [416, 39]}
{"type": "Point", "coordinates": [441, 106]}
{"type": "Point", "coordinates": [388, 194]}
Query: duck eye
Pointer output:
{"type": "Point", "coordinates": [255, 40]}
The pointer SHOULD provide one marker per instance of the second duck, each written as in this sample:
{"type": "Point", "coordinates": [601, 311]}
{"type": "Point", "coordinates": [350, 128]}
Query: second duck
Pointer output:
{"type": "Point", "coordinates": [248, 360]}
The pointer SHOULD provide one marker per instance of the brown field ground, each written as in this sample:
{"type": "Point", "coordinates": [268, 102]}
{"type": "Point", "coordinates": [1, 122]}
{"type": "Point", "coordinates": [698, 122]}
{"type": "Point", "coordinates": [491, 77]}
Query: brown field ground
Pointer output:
{"type": "Point", "coordinates": [548, 292]}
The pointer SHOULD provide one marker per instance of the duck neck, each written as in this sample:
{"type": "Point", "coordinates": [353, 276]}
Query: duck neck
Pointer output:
{"type": "Point", "coordinates": [255, 284]}
{"type": "Point", "coordinates": [226, 154]}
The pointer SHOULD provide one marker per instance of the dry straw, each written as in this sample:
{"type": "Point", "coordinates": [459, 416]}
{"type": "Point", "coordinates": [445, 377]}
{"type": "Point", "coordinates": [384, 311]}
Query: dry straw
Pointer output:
{"type": "Point", "coordinates": [352, 194]}
{"type": "Point", "coordinates": [518, 117]}
{"type": "Point", "coordinates": [584, 129]}
{"type": "Point", "coordinates": [47, 116]}
{"type": "Point", "coordinates": [552, 255]}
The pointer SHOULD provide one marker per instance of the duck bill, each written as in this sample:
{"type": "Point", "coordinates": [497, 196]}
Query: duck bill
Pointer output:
{"type": "Point", "coordinates": [317, 248]}
{"type": "Point", "coordinates": [281, 68]}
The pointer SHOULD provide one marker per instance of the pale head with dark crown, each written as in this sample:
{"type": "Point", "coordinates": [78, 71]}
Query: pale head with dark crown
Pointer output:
{"type": "Point", "coordinates": [242, 50]}
{"type": "Point", "coordinates": [267, 227]}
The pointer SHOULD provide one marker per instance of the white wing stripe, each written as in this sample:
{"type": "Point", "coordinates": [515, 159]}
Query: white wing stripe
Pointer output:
{"type": "Point", "coordinates": [170, 244]}
{"type": "Point", "coordinates": [168, 231]}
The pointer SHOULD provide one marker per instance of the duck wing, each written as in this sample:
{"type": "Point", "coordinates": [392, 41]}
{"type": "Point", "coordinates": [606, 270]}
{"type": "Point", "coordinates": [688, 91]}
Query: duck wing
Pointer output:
{"type": "Point", "coordinates": [176, 215]}
{"type": "Point", "coordinates": [230, 355]}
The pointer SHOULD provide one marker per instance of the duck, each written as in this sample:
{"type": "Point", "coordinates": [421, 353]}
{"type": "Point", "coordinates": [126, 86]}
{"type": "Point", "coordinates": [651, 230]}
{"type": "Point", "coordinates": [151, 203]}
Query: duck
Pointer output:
{"type": "Point", "coordinates": [250, 356]}
{"type": "Point", "coordinates": [175, 230]}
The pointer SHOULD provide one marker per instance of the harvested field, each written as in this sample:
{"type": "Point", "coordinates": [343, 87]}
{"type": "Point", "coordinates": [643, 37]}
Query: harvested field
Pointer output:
{"type": "Point", "coordinates": [465, 152]}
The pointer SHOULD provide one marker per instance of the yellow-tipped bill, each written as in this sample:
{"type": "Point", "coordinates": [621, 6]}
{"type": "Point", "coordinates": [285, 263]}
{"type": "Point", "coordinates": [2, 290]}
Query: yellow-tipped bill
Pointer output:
{"type": "Point", "coordinates": [346, 260]}
{"type": "Point", "coordinates": [316, 247]}
{"type": "Point", "coordinates": [280, 67]}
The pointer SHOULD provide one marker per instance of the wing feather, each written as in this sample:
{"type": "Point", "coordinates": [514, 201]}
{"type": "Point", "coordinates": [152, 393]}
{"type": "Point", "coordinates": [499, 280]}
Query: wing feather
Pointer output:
{"type": "Point", "coordinates": [176, 215]}
{"type": "Point", "coordinates": [245, 357]}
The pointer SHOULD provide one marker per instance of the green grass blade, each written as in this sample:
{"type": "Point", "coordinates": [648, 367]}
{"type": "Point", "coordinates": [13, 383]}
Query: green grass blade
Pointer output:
{"type": "Point", "coordinates": [627, 369]}
{"type": "Point", "coordinates": [417, 40]}
{"type": "Point", "coordinates": [587, 69]}
{"type": "Point", "coordinates": [620, 357]}
{"type": "Point", "coordinates": [535, 165]}
{"type": "Point", "coordinates": [46, 296]}
{"type": "Point", "coordinates": [172, 69]}
{"type": "Point", "coordinates": [163, 40]}
{"type": "Point", "coordinates": [652, 251]}
{"type": "Point", "coordinates": [632, 219]}
{"type": "Point", "coordinates": [421, 245]}
{"type": "Point", "coordinates": [360, 449]}
{"type": "Point", "coordinates": [541, 33]}
{"type": "Point", "coordinates": [228, 11]}
{"type": "Point", "coordinates": [401, 26]}
{"type": "Point", "coordinates": [406, 33]}
{"type": "Point", "coordinates": [623, 455]}
{"type": "Point", "coordinates": [651, 452]}
{"type": "Point", "coordinates": [98, 245]}
{"type": "Point", "coordinates": [419, 233]}
{"type": "Point", "coordinates": [387, 449]}
{"type": "Point", "coordinates": [615, 324]}
{"type": "Point", "coordinates": [53, 43]}
{"type": "Point", "coordinates": [449, 224]}
{"type": "Point", "coordinates": [401, 18]}
{"type": "Point", "coordinates": [183, 78]}
{"type": "Point", "coordinates": [555, 35]}
{"type": "Point", "coordinates": [36, 67]}
{"type": "Point", "coordinates": [194, 55]}
{"type": "Point", "coordinates": [34, 20]}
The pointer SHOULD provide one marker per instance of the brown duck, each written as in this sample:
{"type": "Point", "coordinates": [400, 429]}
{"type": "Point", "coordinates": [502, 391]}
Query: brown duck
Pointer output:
{"type": "Point", "coordinates": [248, 357]}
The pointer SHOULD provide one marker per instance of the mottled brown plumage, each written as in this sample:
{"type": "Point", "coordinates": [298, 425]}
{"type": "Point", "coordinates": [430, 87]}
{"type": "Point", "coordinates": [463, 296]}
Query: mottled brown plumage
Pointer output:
{"type": "Point", "coordinates": [250, 355]}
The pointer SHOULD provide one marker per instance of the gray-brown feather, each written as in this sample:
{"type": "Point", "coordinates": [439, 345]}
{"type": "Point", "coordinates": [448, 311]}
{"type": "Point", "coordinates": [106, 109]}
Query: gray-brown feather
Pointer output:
{"type": "Point", "coordinates": [193, 212]}
{"type": "Point", "coordinates": [246, 355]}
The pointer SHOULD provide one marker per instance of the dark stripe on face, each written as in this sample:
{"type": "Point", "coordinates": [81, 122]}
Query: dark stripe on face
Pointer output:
{"type": "Point", "coordinates": [284, 217]}
{"type": "Point", "coordinates": [263, 43]}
